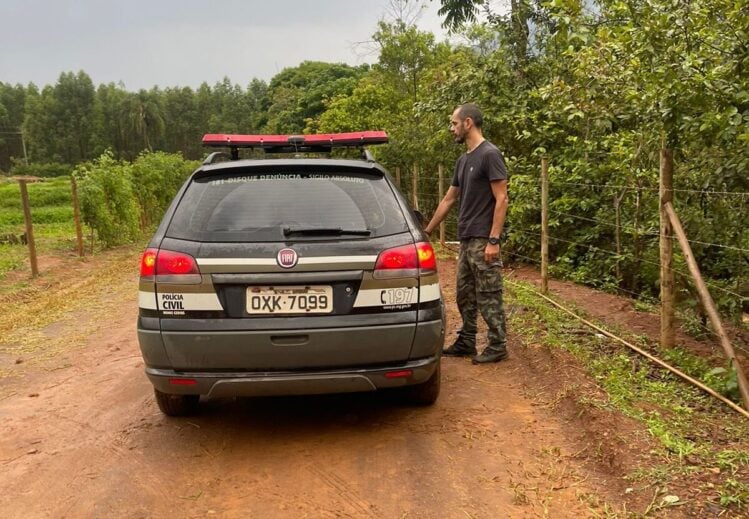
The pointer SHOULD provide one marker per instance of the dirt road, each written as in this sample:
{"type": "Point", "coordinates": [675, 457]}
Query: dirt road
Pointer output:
{"type": "Point", "coordinates": [82, 437]}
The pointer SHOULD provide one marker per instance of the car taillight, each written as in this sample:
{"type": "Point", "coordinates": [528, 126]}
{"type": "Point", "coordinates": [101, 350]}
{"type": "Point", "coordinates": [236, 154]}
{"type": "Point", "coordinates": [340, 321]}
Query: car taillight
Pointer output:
{"type": "Point", "coordinates": [172, 263]}
{"type": "Point", "coordinates": [427, 261]}
{"type": "Point", "coordinates": [399, 258]}
{"type": "Point", "coordinates": [148, 263]}
{"type": "Point", "coordinates": [166, 266]}
{"type": "Point", "coordinates": [406, 261]}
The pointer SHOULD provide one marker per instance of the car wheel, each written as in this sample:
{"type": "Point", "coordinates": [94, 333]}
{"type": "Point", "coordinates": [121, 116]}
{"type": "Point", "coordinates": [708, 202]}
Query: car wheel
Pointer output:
{"type": "Point", "coordinates": [177, 405]}
{"type": "Point", "coordinates": [426, 393]}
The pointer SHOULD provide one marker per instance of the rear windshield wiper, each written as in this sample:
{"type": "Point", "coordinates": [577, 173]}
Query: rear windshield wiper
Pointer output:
{"type": "Point", "coordinates": [324, 231]}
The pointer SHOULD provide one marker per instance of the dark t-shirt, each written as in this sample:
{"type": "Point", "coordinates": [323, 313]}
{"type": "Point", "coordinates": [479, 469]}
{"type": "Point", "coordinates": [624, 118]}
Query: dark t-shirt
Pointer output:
{"type": "Point", "coordinates": [473, 175]}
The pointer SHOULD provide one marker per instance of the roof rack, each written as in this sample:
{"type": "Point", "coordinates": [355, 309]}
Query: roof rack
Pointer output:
{"type": "Point", "coordinates": [319, 143]}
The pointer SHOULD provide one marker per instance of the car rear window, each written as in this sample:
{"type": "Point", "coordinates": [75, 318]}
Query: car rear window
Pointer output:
{"type": "Point", "coordinates": [258, 207]}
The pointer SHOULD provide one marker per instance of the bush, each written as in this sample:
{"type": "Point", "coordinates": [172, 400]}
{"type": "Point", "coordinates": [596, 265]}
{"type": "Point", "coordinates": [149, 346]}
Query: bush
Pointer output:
{"type": "Point", "coordinates": [156, 179]}
{"type": "Point", "coordinates": [50, 169]}
{"type": "Point", "coordinates": [107, 202]}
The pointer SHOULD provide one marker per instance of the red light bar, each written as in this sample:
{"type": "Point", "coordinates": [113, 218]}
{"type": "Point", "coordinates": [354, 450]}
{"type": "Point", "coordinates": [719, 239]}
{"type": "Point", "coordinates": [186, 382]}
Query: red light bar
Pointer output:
{"type": "Point", "coordinates": [323, 140]}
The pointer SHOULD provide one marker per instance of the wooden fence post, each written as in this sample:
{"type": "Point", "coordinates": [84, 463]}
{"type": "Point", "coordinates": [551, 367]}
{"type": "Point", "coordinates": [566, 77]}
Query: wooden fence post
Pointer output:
{"type": "Point", "coordinates": [544, 224]}
{"type": "Point", "coordinates": [415, 186]}
{"type": "Point", "coordinates": [440, 178]}
{"type": "Point", "coordinates": [617, 233]}
{"type": "Point", "coordinates": [666, 248]}
{"type": "Point", "coordinates": [707, 301]}
{"type": "Point", "coordinates": [77, 216]}
{"type": "Point", "coordinates": [29, 227]}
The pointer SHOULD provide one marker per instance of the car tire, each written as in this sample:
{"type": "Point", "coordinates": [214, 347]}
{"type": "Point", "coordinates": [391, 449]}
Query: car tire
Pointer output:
{"type": "Point", "coordinates": [426, 393]}
{"type": "Point", "coordinates": [177, 405]}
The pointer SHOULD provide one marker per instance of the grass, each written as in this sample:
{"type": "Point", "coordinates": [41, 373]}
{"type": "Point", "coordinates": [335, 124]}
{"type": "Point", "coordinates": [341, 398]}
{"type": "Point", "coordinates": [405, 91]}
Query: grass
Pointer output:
{"type": "Point", "coordinates": [681, 419]}
{"type": "Point", "coordinates": [52, 192]}
{"type": "Point", "coordinates": [29, 309]}
{"type": "Point", "coordinates": [52, 217]}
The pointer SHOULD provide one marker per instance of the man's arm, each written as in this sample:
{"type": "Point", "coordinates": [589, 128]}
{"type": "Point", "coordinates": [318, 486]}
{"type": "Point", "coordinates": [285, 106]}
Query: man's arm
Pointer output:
{"type": "Point", "coordinates": [443, 209]}
{"type": "Point", "coordinates": [499, 190]}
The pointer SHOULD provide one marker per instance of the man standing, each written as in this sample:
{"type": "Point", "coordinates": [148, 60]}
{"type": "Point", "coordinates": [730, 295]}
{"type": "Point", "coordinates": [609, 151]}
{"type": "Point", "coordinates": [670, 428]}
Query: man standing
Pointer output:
{"type": "Point", "coordinates": [480, 185]}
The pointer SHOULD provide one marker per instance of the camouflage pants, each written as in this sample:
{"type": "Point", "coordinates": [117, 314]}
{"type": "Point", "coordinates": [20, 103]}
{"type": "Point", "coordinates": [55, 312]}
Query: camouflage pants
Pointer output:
{"type": "Point", "coordinates": [480, 289]}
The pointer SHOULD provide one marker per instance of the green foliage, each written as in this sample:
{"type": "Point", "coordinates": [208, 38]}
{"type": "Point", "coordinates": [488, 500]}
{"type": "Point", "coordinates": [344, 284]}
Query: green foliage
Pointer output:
{"type": "Point", "coordinates": [39, 215]}
{"type": "Point", "coordinates": [298, 94]}
{"type": "Point", "coordinates": [732, 460]}
{"type": "Point", "coordinates": [107, 202]}
{"type": "Point", "coordinates": [41, 169]}
{"type": "Point", "coordinates": [724, 381]}
{"type": "Point", "coordinates": [48, 196]}
{"type": "Point", "coordinates": [599, 89]}
{"type": "Point", "coordinates": [720, 379]}
{"type": "Point", "coordinates": [12, 105]}
{"type": "Point", "coordinates": [675, 414]}
{"type": "Point", "coordinates": [59, 119]}
{"type": "Point", "coordinates": [458, 12]}
{"type": "Point", "coordinates": [156, 178]}
{"type": "Point", "coordinates": [734, 492]}
{"type": "Point", "coordinates": [51, 214]}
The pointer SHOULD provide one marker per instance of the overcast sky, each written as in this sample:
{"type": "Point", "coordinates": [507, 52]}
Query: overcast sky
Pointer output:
{"type": "Point", "coordinates": [184, 42]}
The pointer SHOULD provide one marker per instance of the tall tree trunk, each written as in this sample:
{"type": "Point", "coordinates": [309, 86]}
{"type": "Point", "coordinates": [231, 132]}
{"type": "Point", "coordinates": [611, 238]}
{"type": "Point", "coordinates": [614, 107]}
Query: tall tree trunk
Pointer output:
{"type": "Point", "coordinates": [520, 13]}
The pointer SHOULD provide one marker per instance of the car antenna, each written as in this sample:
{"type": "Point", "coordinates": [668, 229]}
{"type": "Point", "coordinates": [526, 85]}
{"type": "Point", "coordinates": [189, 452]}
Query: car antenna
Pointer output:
{"type": "Point", "coordinates": [296, 140]}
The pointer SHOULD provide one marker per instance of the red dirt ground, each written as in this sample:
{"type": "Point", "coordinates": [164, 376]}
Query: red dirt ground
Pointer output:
{"type": "Point", "coordinates": [82, 435]}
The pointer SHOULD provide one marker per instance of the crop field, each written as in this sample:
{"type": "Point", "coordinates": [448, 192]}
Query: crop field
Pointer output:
{"type": "Point", "coordinates": [51, 213]}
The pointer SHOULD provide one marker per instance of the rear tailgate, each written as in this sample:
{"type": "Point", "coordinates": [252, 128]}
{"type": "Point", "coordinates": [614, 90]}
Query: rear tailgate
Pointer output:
{"type": "Point", "coordinates": [370, 321]}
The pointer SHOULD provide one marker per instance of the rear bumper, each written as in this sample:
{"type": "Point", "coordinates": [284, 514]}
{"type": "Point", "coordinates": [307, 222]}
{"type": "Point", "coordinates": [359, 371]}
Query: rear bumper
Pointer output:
{"type": "Point", "coordinates": [227, 384]}
{"type": "Point", "coordinates": [294, 350]}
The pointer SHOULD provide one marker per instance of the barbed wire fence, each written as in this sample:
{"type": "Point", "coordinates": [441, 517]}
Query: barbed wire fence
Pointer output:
{"type": "Point", "coordinates": [577, 234]}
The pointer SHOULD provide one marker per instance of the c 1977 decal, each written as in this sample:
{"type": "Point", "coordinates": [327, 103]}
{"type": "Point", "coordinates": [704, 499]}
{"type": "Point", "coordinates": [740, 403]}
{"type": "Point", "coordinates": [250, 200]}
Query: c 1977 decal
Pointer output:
{"type": "Point", "coordinates": [397, 298]}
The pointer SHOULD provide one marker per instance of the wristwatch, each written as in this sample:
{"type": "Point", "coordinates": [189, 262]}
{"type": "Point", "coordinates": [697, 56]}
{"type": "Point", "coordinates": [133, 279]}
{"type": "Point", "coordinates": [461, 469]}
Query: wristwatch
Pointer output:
{"type": "Point", "coordinates": [494, 240]}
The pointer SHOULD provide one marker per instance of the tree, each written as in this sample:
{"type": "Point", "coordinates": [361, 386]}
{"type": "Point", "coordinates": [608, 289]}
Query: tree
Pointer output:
{"type": "Point", "coordinates": [59, 120]}
{"type": "Point", "coordinates": [406, 54]}
{"type": "Point", "coordinates": [459, 12]}
{"type": "Point", "coordinates": [110, 130]}
{"type": "Point", "coordinates": [183, 125]}
{"type": "Point", "coordinates": [72, 116]}
{"type": "Point", "coordinates": [142, 114]}
{"type": "Point", "coordinates": [298, 94]}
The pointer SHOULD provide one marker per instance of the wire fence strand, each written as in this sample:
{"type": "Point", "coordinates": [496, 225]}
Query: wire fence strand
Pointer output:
{"type": "Point", "coordinates": [652, 189]}
{"type": "Point", "coordinates": [428, 197]}
{"type": "Point", "coordinates": [626, 255]}
{"type": "Point", "coordinates": [644, 232]}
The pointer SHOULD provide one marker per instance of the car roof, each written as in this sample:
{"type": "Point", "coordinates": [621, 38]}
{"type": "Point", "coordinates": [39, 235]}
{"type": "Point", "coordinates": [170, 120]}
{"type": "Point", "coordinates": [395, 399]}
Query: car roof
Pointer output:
{"type": "Point", "coordinates": [249, 164]}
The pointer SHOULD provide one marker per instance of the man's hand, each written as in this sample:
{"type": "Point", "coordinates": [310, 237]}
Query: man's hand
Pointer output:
{"type": "Point", "coordinates": [491, 253]}
{"type": "Point", "coordinates": [442, 209]}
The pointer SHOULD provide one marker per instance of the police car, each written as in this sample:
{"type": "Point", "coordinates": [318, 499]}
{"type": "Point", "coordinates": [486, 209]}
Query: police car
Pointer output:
{"type": "Point", "coordinates": [289, 274]}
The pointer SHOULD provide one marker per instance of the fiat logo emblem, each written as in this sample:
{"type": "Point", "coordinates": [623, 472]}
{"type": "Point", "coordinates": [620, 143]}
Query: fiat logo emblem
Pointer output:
{"type": "Point", "coordinates": [287, 258]}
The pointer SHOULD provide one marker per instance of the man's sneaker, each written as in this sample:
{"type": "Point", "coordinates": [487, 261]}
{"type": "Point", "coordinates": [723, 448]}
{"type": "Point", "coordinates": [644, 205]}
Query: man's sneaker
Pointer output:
{"type": "Point", "coordinates": [459, 349]}
{"type": "Point", "coordinates": [487, 356]}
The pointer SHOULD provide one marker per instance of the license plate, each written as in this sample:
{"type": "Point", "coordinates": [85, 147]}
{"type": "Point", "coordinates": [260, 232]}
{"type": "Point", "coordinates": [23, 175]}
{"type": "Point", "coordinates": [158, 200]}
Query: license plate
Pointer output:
{"type": "Point", "coordinates": [290, 300]}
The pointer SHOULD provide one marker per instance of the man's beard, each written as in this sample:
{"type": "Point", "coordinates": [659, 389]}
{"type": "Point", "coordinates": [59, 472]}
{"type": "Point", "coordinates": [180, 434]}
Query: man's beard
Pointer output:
{"type": "Point", "coordinates": [460, 138]}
